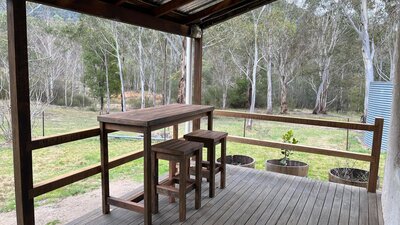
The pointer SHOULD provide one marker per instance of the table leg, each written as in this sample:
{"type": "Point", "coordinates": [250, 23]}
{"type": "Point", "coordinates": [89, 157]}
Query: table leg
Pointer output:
{"type": "Point", "coordinates": [223, 163]}
{"type": "Point", "coordinates": [154, 161]}
{"type": "Point", "coordinates": [172, 164]}
{"type": "Point", "coordinates": [148, 178]}
{"type": "Point", "coordinates": [212, 171]}
{"type": "Point", "coordinates": [105, 185]}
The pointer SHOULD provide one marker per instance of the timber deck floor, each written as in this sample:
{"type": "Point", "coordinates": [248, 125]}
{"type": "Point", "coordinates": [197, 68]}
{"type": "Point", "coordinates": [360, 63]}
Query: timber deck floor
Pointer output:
{"type": "Point", "coordinates": [260, 197]}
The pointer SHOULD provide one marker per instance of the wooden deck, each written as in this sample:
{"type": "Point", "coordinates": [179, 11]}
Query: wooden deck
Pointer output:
{"type": "Point", "coordinates": [260, 197]}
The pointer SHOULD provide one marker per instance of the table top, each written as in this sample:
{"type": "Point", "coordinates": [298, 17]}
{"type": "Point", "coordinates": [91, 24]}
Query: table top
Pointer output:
{"type": "Point", "coordinates": [155, 115]}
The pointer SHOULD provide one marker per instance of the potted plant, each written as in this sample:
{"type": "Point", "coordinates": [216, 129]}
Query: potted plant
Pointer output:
{"type": "Point", "coordinates": [240, 160]}
{"type": "Point", "coordinates": [350, 176]}
{"type": "Point", "coordinates": [285, 165]}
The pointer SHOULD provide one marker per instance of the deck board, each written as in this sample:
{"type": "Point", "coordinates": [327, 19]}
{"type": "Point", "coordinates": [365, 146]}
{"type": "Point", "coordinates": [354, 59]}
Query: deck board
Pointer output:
{"type": "Point", "coordinates": [260, 197]}
{"type": "Point", "coordinates": [345, 208]}
{"type": "Point", "coordinates": [354, 206]}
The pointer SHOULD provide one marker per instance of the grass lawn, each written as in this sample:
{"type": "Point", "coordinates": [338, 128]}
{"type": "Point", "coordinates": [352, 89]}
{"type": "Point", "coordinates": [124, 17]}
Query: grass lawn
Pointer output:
{"type": "Point", "coordinates": [53, 161]}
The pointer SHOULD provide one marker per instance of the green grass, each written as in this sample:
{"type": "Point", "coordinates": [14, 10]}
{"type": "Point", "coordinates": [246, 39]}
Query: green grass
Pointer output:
{"type": "Point", "coordinates": [57, 160]}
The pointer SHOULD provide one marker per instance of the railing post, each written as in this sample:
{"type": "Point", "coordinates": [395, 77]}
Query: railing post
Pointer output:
{"type": "Point", "coordinates": [375, 154]}
{"type": "Point", "coordinates": [197, 76]}
{"type": "Point", "coordinates": [20, 110]}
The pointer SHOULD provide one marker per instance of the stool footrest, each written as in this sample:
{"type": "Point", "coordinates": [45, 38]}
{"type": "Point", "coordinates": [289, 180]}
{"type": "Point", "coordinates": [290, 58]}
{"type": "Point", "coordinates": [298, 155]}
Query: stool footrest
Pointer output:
{"type": "Point", "coordinates": [205, 173]}
{"type": "Point", "coordinates": [207, 164]}
{"type": "Point", "coordinates": [170, 190]}
{"type": "Point", "coordinates": [133, 206]}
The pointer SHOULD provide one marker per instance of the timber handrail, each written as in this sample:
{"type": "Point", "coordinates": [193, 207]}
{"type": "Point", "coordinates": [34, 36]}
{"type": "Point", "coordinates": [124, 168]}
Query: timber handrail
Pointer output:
{"type": "Point", "coordinates": [72, 177]}
{"type": "Point", "coordinates": [69, 178]}
{"type": "Point", "coordinates": [64, 138]}
{"type": "Point", "coordinates": [302, 148]}
{"type": "Point", "coordinates": [376, 128]}
{"type": "Point", "coordinates": [297, 120]}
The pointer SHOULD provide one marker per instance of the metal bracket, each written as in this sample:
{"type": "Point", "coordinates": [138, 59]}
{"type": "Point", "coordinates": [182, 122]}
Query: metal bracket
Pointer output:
{"type": "Point", "coordinates": [196, 32]}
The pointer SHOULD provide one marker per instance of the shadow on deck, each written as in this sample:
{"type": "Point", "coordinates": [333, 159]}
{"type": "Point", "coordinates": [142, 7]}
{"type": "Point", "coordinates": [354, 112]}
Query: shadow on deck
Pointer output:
{"type": "Point", "coordinates": [260, 197]}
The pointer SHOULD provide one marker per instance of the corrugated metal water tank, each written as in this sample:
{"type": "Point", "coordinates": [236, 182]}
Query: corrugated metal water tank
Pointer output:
{"type": "Point", "coordinates": [379, 105]}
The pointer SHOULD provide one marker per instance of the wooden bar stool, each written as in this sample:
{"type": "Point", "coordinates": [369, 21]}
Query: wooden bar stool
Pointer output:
{"type": "Point", "coordinates": [210, 139]}
{"type": "Point", "coordinates": [178, 151]}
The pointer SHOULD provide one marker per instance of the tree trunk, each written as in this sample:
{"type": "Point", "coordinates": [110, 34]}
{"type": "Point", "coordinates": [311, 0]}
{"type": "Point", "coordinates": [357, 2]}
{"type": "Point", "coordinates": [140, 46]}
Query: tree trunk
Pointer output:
{"type": "Point", "coordinates": [181, 86]}
{"type": "Point", "coordinates": [164, 80]}
{"type": "Point", "coordinates": [322, 94]}
{"type": "Point", "coordinates": [101, 104]}
{"type": "Point", "coordinates": [394, 57]}
{"type": "Point", "coordinates": [142, 76]}
{"type": "Point", "coordinates": [269, 81]}
{"type": "Point", "coordinates": [253, 80]}
{"type": "Point", "coordinates": [51, 89]}
{"type": "Point", "coordinates": [224, 97]}
{"type": "Point", "coordinates": [72, 88]}
{"type": "Point", "coordinates": [368, 54]}
{"type": "Point", "coordinates": [284, 105]}
{"type": "Point", "coordinates": [391, 185]}
{"type": "Point", "coordinates": [107, 83]}
{"type": "Point", "coordinates": [65, 91]}
{"type": "Point", "coordinates": [121, 76]}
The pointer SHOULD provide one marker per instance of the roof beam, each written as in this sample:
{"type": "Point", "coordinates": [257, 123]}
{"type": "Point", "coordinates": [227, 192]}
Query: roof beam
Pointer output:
{"type": "Point", "coordinates": [194, 18]}
{"type": "Point", "coordinates": [229, 13]}
{"type": "Point", "coordinates": [169, 6]}
{"type": "Point", "coordinates": [117, 13]}
{"type": "Point", "coordinates": [119, 2]}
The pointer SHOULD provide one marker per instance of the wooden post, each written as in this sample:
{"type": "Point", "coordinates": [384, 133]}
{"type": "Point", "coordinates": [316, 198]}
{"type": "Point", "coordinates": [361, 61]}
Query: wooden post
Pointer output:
{"type": "Point", "coordinates": [105, 180]}
{"type": "Point", "coordinates": [197, 76]}
{"type": "Point", "coordinates": [376, 153]}
{"type": "Point", "coordinates": [147, 174]}
{"type": "Point", "coordinates": [20, 109]}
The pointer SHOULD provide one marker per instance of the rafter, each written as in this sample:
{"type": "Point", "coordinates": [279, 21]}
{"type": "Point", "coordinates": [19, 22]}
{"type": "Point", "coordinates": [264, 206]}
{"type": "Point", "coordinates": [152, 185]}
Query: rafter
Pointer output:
{"type": "Point", "coordinates": [169, 6]}
{"type": "Point", "coordinates": [113, 12]}
{"type": "Point", "coordinates": [227, 14]}
{"type": "Point", "coordinates": [119, 2]}
{"type": "Point", "coordinates": [195, 18]}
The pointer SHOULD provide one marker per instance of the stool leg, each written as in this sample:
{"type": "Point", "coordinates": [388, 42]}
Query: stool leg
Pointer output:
{"type": "Point", "coordinates": [155, 182]}
{"type": "Point", "coordinates": [209, 160]}
{"type": "Point", "coordinates": [212, 171]}
{"type": "Point", "coordinates": [223, 163]}
{"type": "Point", "coordinates": [172, 172]}
{"type": "Point", "coordinates": [198, 179]}
{"type": "Point", "coordinates": [182, 189]}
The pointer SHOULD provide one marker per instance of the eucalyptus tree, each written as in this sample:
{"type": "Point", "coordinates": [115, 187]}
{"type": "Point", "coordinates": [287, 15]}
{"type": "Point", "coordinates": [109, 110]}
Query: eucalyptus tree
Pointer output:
{"type": "Point", "coordinates": [100, 70]}
{"type": "Point", "coordinates": [327, 31]}
{"type": "Point", "coordinates": [248, 62]}
{"type": "Point", "coordinates": [385, 38]}
{"type": "Point", "coordinates": [112, 35]}
{"type": "Point", "coordinates": [267, 46]}
{"type": "Point", "coordinates": [289, 46]}
{"type": "Point", "coordinates": [360, 15]}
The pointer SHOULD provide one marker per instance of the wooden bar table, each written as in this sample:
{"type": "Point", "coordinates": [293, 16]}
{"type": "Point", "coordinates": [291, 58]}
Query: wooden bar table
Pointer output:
{"type": "Point", "coordinates": [143, 121]}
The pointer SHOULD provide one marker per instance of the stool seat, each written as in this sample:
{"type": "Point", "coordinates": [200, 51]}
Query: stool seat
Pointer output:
{"type": "Point", "coordinates": [206, 136]}
{"type": "Point", "coordinates": [177, 147]}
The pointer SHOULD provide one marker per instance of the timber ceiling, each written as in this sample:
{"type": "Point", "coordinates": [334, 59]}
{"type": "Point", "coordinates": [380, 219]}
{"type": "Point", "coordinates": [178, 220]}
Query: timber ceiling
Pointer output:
{"type": "Point", "coordinates": [182, 17]}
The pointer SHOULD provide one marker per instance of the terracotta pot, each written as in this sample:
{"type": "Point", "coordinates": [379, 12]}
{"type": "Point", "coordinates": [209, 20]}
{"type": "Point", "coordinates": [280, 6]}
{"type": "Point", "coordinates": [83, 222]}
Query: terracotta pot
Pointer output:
{"type": "Point", "coordinates": [295, 168]}
{"type": "Point", "coordinates": [240, 160]}
{"type": "Point", "coordinates": [355, 177]}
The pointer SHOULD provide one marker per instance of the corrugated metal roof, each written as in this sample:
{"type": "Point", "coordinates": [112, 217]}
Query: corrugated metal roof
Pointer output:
{"type": "Point", "coordinates": [379, 105]}
{"type": "Point", "coordinates": [197, 6]}
{"type": "Point", "coordinates": [182, 17]}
